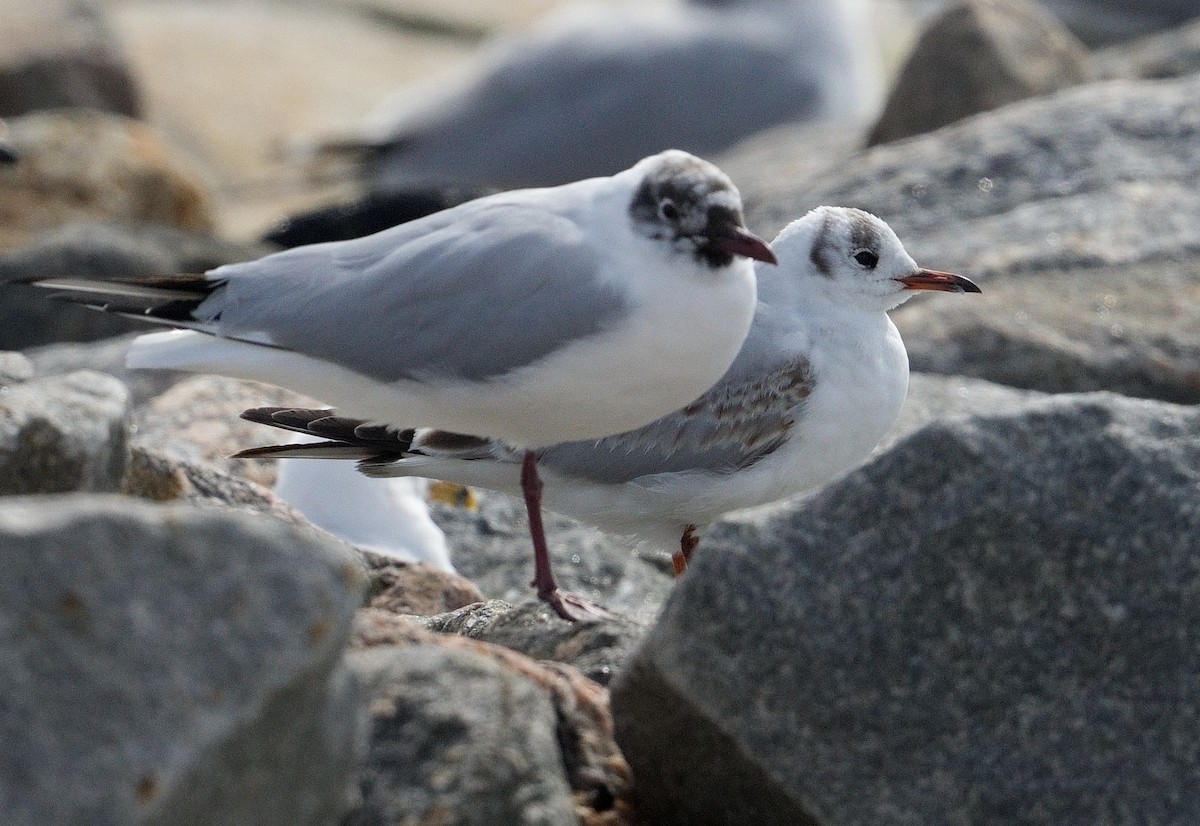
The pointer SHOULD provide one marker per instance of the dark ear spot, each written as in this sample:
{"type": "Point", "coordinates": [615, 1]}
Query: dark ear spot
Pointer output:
{"type": "Point", "coordinates": [820, 249]}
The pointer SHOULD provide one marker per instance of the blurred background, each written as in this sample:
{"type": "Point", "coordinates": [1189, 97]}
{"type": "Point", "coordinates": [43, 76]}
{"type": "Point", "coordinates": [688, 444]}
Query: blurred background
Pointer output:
{"type": "Point", "coordinates": [240, 91]}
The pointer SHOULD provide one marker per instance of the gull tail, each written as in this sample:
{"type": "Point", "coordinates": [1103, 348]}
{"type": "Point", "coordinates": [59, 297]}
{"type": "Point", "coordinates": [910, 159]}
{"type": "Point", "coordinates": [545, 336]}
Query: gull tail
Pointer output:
{"type": "Point", "coordinates": [164, 299]}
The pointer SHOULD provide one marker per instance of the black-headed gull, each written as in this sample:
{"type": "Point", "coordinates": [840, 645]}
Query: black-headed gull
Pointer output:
{"type": "Point", "coordinates": [820, 379]}
{"type": "Point", "coordinates": [591, 89]}
{"type": "Point", "coordinates": [532, 316]}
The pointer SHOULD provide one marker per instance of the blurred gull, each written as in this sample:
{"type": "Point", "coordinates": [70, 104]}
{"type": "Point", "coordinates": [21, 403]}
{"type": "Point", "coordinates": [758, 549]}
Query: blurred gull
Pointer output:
{"type": "Point", "coordinates": [594, 88]}
{"type": "Point", "coordinates": [532, 316]}
{"type": "Point", "coordinates": [388, 519]}
{"type": "Point", "coordinates": [820, 379]}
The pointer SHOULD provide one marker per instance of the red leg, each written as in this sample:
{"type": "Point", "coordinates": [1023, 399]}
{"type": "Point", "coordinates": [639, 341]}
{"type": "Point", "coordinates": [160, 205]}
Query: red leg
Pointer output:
{"type": "Point", "coordinates": [567, 605]}
{"type": "Point", "coordinates": [687, 546]}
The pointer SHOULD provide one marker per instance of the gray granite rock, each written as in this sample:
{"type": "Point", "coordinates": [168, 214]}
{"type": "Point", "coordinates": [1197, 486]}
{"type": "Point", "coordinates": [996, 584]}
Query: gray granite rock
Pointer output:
{"type": "Point", "coordinates": [456, 737]}
{"type": "Point", "coordinates": [1108, 21]}
{"type": "Point", "coordinates": [995, 622]}
{"type": "Point", "coordinates": [597, 649]}
{"type": "Point", "coordinates": [1107, 173]}
{"type": "Point", "coordinates": [979, 55]}
{"type": "Point", "coordinates": [597, 774]}
{"type": "Point", "coordinates": [63, 433]}
{"type": "Point", "coordinates": [1132, 329]}
{"type": "Point", "coordinates": [104, 356]}
{"type": "Point", "coordinates": [932, 397]}
{"type": "Point", "coordinates": [98, 250]}
{"type": "Point", "coordinates": [491, 547]}
{"type": "Point", "coordinates": [1173, 53]}
{"type": "Point", "coordinates": [172, 666]}
{"type": "Point", "coordinates": [62, 53]}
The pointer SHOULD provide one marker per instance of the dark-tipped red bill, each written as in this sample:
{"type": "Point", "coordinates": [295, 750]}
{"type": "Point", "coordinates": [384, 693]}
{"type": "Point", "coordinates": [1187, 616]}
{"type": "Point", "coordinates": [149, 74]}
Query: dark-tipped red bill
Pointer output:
{"type": "Point", "coordinates": [946, 282]}
{"type": "Point", "coordinates": [741, 241]}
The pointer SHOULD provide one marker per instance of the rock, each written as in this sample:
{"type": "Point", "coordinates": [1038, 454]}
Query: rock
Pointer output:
{"type": "Point", "coordinates": [491, 547]}
{"type": "Point", "coordinates": [597, 649]}
{"type": "Point", "coordinates": [62, 53]}
{"type": "Point", "coordinates": [1173, 53]}
{"type": "Point", "coordinates": [173, 666]}
{"type": "Point", "coordinates": [1107, 173]}
{"type": "Point", "coordinates": [993, 622]}
{"type": "Point", "coordinates": [1097, 22]}
{"type": "Point", "coordinates": [162, 477]}
{"type": "Point", "coordinates": [63, 433]}
{"type": "Point", "coordinates": [78, 165]}
{"type": "Point", "coordinates": [979, 55]}
{"type": "Point", "coordinates": [597, 774]}
{"type": "Point", "coordinates": [14, 368]}
{"type": "Point", "coordinates": [92, 250]}
{"type": "Point", "coordinates": [196, 420]}
{"type": "Point", "coordinates": [932, 398]}
{"type": "Point", "coordinates": [1132, 329]}
{"type": "Point", "coordinates": [418, 588]}
{"type": "Point", "coordinates": [104, 356]}
{"type": "Point", "coordinates": [457, 738]}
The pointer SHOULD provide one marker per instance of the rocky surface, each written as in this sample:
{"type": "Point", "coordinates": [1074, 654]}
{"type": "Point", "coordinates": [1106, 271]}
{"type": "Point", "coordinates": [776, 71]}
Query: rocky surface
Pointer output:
{"type": "Point", "coordinates": [466, 732]}
{"type": "Point", "coordinates": [1173, 53]}
{"type": "Point", "coordinates": [59, 54]}
{"type": "Point", "coordinates": [979, 55]}
{"type": "Point", "coordinates": [160, 677]}
{"type": "Point", "coordinates": [63, 433]}
{"type": "Point", "coordinates": [1106, 21]}
{"type": "Point", "coordinates": [989, 623]}
{"type": "Point", "coordinates": [597, 649]}
{"type": "Point", "coordinates": [79, 165]}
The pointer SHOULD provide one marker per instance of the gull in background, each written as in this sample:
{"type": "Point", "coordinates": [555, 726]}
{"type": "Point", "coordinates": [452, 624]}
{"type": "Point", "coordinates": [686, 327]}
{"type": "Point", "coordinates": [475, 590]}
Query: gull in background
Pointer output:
{"type": "Point", "coordinates": [820, 379]}
{"type": "Point", "coordinates": [532, 316]}
{"type": "Point", "coordinates": [593, 88]}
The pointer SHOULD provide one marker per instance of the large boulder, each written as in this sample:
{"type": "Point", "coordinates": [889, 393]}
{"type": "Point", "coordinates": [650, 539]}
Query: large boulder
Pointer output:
{"type": "Point", "coordinates": [975, 56]}
{"type": "Point", "coordinates": [172, 666]}
{"type": "Point", "coordinates": [996, 622]}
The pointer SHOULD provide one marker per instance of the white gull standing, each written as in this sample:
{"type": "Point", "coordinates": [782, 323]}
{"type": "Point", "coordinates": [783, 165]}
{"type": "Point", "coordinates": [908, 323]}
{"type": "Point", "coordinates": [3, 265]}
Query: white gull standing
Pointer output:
{"type": "Point", "coordinates": [593, 88]}
{"type": "Point", "coordinates": [820, 379]}
{"type": "Point", "coordinates": [532, 317]}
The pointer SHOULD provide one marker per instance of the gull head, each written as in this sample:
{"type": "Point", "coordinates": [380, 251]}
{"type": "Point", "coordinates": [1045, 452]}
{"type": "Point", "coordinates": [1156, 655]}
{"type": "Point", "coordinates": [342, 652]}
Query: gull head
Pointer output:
{"type": "Point", "coordinates": [693, 206]}
{"type": "Point", "coordinates": [858, 258]}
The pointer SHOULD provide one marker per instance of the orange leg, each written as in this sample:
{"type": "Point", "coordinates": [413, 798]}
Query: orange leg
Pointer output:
{"type": "Point", "coordinates": [687, 546]}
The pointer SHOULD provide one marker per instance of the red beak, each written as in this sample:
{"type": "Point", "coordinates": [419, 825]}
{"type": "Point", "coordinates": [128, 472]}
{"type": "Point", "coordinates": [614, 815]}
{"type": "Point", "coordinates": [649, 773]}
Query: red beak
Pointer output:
{"type": "Point", "coordinates": [740, 241]}
{"type": "Point", "coordinates": [946, 282]}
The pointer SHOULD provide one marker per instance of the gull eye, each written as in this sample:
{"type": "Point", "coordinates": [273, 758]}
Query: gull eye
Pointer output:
{"type": "Point", "coordinates": [866, 258]}
{"type": "Point", "coordinates": [668, 210]}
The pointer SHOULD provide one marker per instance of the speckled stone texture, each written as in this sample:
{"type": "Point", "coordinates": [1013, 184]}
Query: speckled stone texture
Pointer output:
{"type": "Point", "coordinates": [996, 622]}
